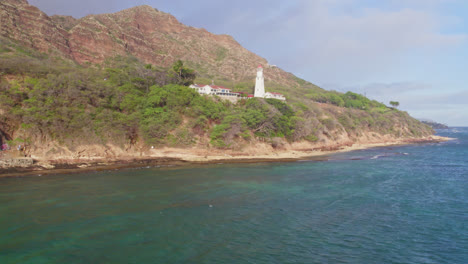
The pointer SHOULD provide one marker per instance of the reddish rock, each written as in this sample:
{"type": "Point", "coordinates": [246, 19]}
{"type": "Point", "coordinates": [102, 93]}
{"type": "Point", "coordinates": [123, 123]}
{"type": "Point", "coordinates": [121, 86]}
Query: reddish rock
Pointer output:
{"type": "Point", "coordinates": [153, 36]}
{"type": "Point", "coordinates": [31, 27]}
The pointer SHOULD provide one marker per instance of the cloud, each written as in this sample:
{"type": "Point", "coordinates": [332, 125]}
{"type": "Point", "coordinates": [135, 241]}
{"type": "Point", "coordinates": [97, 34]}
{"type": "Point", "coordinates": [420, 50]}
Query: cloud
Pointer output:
{"type": "Point", "coordinates": [326, 40]}
{"type": "Point", "coordinates": [419, 99]}
{"type": "Point", "coordinates": [383, 90]}
{"type": "Point", "coordinates": [331, 44]}
{"type": "Point", "coordinates": [447, 100]}
{"type": "Point", "coordinates": [421, 3]}
{"type": "Point", "coordinates": [416, 95]}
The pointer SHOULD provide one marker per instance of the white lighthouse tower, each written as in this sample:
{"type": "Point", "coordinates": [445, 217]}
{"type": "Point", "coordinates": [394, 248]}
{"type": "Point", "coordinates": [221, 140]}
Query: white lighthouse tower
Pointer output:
{"type": "Point", "coordinates": [259, 83]}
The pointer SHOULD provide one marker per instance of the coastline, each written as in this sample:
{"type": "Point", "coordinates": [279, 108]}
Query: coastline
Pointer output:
{"type": "Point", "coordinates": [182, 158]}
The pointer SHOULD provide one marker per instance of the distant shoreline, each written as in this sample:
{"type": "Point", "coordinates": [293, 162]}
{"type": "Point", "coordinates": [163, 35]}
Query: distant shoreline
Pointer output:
{"type": "Point", "coordinates": [82, 166]}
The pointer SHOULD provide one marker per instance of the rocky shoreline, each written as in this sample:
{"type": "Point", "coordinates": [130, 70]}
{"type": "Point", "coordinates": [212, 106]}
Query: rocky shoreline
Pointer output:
{"type": "Point", "coordinates": [71, 166]}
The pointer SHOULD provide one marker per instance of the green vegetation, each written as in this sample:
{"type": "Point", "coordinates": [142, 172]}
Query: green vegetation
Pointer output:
{"type": "Point", "coordinates": [348, 100]}
{"type": "Point", "coordinates": [221, 53]}
{"type": "Point", "coordinates": [182, 75]}
{"type": "Point", "coordinates": [394, 103]}
{"type": "Point", "coordinates": [125, 101]}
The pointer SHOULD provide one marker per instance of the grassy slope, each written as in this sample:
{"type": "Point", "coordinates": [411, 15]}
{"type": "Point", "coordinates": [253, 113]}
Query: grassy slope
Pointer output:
{"type": "Point", "coordinates": [125, 102]}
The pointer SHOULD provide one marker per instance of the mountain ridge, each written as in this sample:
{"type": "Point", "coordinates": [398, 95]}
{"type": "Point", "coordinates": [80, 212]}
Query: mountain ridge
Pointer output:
{"type": "Point", "coordinates": [151, 35]}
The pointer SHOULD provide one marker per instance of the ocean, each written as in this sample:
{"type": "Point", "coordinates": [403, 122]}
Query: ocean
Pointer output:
{"type": "Point", "coordinates": [399, 204]}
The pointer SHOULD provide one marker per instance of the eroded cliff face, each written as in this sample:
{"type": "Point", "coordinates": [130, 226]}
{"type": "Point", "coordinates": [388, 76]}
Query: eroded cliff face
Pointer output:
{"type": "Point", "coordinates": [144, 32]}
{"type": "Point", "coordinates": [331, 136]}
{"type": "Point", "coordinates": [50, 153]}
{"type": "Point", "coordinates": [32, 27]}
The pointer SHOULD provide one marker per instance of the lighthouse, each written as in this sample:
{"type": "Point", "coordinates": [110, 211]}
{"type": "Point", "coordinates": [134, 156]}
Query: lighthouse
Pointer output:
{"type": "Point", "coordinates": [259, 83]}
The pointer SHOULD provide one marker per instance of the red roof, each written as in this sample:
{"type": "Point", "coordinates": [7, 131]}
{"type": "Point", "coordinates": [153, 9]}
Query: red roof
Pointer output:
{"type": "Point", "coordinates": [260, 66]}
{"type": "Point", "coordinates": [250, 95]}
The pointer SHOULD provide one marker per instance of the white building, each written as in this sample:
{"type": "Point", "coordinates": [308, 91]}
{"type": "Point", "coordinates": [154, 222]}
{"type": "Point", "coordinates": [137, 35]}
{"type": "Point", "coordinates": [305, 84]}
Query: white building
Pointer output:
{"type": "Point", "coordinates": [214, 90]}
{"type": "Point", "coordinates": [227, 93]}
{"type": "Point", "coordinates": [275, 96]}
{"type": "Point", "coordinates": [259, 83]}
{"type": "Point", "coordinates": [260, 87]}
{"type": "Point", "coordinates": [201, 88]}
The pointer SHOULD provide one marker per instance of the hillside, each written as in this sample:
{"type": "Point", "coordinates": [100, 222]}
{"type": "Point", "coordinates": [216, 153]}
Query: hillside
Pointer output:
{"type": "Point", "coordinates": [144, 32]}
{"type": "Point", "coordinates": [103, 86]}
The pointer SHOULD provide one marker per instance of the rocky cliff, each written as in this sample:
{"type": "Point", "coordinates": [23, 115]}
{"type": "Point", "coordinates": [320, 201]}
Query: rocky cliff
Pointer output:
{"type": "Point", "coordinates": [144, 32]}
{"type": "Point", "coordinates": [31, 27]}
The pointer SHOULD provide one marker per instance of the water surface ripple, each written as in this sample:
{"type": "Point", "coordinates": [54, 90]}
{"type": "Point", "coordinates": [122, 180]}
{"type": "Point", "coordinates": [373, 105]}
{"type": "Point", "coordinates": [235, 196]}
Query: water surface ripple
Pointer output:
{"type": "Point", "coordinates": [406, 204]}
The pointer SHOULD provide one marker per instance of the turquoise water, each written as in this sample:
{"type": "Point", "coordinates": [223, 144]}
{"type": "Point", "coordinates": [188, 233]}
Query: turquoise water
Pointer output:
{"type": "Point", "coordinates": [405, 204]}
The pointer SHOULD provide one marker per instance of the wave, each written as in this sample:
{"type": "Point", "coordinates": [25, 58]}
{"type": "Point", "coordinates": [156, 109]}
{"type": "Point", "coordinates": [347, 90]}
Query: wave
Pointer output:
{"type": "Point", "coordinates": [389, 155]}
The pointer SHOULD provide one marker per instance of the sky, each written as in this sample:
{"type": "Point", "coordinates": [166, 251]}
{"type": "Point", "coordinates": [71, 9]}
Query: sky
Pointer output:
{"type": "Point", "coordinates": [411, 51]}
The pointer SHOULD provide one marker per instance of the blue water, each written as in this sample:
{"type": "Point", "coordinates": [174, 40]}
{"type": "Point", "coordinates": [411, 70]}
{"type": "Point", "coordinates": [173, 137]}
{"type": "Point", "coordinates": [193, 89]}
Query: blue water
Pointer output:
{"type": "Point", "coordinates": [406, 204]}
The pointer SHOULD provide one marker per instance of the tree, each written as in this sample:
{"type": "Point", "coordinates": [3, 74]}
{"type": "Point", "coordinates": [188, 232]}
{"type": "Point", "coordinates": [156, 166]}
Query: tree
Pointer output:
{"type": "Point", "coordinates": [182, 75]}
{"type": "Point", "coordinates": [394, 103]}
